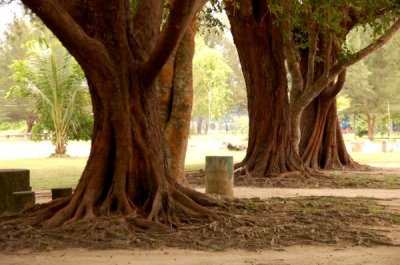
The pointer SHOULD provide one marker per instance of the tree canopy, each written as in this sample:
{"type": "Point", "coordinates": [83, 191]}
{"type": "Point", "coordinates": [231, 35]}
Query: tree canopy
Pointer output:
{"type": "Point", "coordinates": [17, 33]}
{"type": "Point", "coordinates": [373, 83]}
{"type": "Point", "coordinates": [212, 94]}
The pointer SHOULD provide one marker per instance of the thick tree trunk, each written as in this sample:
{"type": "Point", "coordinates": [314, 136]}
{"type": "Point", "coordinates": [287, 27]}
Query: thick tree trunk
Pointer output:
{"type": "Point", "coordinates": [127, 172]}
{"type": "Point", "coordinates": [321, 145]}
{"type": "Point", "coordinates": [259, 43]}
{"type": "Point", "coordinates": [334, 152]}
{"type": "Point", "coordinates": [175, 85]}
{"type": "Point", "coordinates": [322, 137]}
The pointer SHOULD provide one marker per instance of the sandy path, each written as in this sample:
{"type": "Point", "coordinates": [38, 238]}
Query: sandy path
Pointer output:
{"type": "Point", "coordinates": [264, 193]}
{"type": "Point", "coordinates": [249, 192]}
{"type": "Point", "coordinates": [298, 255]}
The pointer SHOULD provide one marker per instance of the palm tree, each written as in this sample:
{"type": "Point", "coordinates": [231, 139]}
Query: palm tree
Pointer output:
{"type": "Point", "coordinates": [55, 80]}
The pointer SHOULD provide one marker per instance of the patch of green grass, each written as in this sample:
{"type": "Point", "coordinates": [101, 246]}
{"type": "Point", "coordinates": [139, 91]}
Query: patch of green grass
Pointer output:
{"type": "Point", "coordinates": [376, 157]}
{"type": "Point", "coordinates": [378, 210]}
{"type": "Point", "coordinates": [218, 248]}
{"type": "Point", "coordinates": [359, 180]}
{"type": "Point", "coordinates": [65, 172]}
{"type": "Point", "coordinates": [393, 218]}
{"type": "Point", "coordinates": [47, 173]}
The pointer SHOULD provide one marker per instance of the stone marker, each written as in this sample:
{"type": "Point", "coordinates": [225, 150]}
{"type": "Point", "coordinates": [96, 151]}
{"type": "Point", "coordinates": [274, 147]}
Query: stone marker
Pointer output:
{"type": "Point", "coordinates": [12, 180]}
{"type": "Point", "coordinates": [22, 199]}
{"type": "Point", "coordinates": [384, 146]}
{"type": "Point", "coordinates": [356, 146]}
{"type": "Point", "coordinates": [219, 175]}
{"type": "Point", "coordinates": [60, 193]}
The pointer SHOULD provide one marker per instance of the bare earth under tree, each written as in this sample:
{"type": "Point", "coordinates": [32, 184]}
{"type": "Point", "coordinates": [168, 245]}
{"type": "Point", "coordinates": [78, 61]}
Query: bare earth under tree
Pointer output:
{"type": "Point", "coordinates": [250, 224]}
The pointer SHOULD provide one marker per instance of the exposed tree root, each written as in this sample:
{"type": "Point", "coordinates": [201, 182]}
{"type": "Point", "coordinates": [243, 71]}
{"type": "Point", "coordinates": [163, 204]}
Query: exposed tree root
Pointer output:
{"type": "Point", "coordinates": [291, 174]}
{"type": "Point", "coordinates": [337, 221]}
{"type": "Point", "coordinates": [167, 209]}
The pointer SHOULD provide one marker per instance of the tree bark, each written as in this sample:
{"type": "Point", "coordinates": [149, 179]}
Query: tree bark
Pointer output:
{"type": "Point", "coordinates": [371, 126]}
{"type": "Point", "coordinates": [61, 145]}
{"type": "Point", "coordinates": [30, 122]}
{"type": "Point", "coordinates": [311, 78]}
{"type": "Point", "coordinates": [175, 86]}
{"type": "Point", "coordinates": [127, 172]}
{"type": "Point", "coordinates": [322, 144]}
{"type": "Point", "coordinates": [259, 43]}
{"type": "Point", "coordinates": [322, 138]}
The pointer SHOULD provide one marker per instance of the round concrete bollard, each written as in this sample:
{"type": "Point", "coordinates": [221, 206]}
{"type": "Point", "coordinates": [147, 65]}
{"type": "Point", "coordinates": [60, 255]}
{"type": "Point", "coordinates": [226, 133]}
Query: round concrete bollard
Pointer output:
{"type": "Point", "coordinates": [219, 175]}
{"type": "Point", "coordinates": [60, 193]}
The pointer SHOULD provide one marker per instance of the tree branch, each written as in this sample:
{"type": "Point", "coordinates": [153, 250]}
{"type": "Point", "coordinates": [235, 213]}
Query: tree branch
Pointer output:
{"type": "Point", "coordinates": [312, 50]}
{"type": "Point", "coordinates": [378, 43]}
{"type": "Point", "coordinates": [241, 8]}
{"type": "Point", "coordinates": [148, 19]}
{"type": "Point", "coordinates": [314, 90]}
{"type": "Point", "coordinates": [328, 54]}
{"type": "Point", "coordinates": [178, 20]}
{"type": "Point", "coordinates": [86, 50]}
{"type": "Point", "coordinates": [337, 87]}
{"type": "Point", "coordinates": [291, 59]}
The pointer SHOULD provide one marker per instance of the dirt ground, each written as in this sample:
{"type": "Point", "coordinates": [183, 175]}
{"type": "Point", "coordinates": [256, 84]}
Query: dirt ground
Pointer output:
{"type": "Point", "coordinates": [296, 255]}
{"type": "Point", "coordinates": [264, 193]}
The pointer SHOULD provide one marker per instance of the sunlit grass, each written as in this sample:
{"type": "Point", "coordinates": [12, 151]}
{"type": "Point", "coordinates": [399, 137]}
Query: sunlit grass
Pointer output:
{"type": "Point", "coordinates": [49, 173]}
{"type": "Point", "coordinates": [376, 157]}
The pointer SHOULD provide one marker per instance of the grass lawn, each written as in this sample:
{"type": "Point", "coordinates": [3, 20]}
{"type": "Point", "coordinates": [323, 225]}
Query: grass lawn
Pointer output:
{"type": "Point", "coordinates": [376, 157]}
{"type": "Point", "coordinates": [49, 173]}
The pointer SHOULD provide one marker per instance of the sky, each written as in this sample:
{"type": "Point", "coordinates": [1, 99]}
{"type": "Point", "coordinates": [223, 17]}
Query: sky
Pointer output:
{"type": "Point", "coordinates": [7, 14]}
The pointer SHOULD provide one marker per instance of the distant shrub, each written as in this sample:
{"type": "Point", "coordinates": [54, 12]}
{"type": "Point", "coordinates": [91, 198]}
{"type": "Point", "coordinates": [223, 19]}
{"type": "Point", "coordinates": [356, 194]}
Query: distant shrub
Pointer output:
{"type": "Point", "coordinates": [11, 125]}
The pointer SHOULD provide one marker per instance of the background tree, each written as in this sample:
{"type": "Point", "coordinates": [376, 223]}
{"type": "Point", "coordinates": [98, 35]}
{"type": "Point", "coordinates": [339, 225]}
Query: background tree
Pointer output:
{"type": "Point", "coordinates": [122, 52]}
{"type": "Point", "coordinates": [317, 65]}
{"type": "Point", "coordinates": [52, 77]}
{"type": "Point", "coordinates": [312, 34]}
{"type": "Point", "coordinates": [221, 39]}
{"type": "Point", "coordinates": [373, 83]}
{"type": "Point", "coordinates": [17, 33]}
{"type": "Point", "coordinates": [211, 90]}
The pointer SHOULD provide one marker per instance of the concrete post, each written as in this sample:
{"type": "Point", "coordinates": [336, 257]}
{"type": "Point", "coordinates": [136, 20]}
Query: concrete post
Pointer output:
{"type": "Point", "coordinates": [219, 175]}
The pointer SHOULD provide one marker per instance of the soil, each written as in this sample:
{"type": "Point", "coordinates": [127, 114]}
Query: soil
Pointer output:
{"type": "Point", "coordinates": [296, 255]}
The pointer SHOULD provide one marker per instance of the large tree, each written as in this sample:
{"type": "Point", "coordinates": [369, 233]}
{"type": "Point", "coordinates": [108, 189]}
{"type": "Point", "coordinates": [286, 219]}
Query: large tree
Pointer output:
{"type": "Point", "coordinates": [311, 34]}
{"type": "Point", "coordinates": [259, 41]}
{"type": "Point", "coordinates": [317, 63]}
{"type": "Point", "coordinates": [122, 50]}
